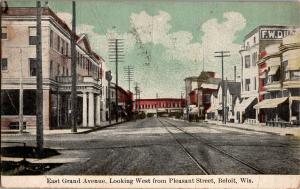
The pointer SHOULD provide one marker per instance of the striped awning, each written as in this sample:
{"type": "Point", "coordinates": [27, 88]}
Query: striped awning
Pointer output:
{"type": "Point", "coordinates": [273, 70]}
{"type": "Point", "coordinates": [270, 103]}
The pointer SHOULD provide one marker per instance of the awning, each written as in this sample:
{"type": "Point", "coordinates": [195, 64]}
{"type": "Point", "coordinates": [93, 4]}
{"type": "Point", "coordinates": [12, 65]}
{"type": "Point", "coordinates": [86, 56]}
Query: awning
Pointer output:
{"type": "Point", "coordinates": [263, 75]}
{"type": "Point", "coordinates": [273, 70]}
{"type": "Point", "coordinates": [295, 98]}
{"type": "Point", "coordinates": [293, 64]}
{"type": "Point", "coordinates": [270, 103]}
{"type": "Point", "coordinates": [245, 103]}
{"type": "Point", "coordinates": [209, 86]}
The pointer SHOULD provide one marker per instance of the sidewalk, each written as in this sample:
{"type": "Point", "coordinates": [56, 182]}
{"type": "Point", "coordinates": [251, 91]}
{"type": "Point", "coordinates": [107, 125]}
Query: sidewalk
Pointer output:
{"type": "Point", "coordinates": [294, 131]}
{"type": "Point", "coordinates": [80, 130]}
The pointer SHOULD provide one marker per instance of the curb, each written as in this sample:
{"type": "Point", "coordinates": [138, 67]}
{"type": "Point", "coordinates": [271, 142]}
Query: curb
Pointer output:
{"type": "Point", "coordinates": [97, 128]}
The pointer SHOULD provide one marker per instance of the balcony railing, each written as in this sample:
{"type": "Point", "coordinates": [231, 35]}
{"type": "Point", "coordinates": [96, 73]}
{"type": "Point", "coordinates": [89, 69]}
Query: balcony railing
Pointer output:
{"type": "Point", "coordinates": [67, 79]}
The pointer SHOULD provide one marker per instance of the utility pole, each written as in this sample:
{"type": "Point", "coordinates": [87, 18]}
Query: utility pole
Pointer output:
{"type": "Point", "coordinates": [128, 74]}
{"type": "Point", "coordinates": [73, 71]}
{"type": "Point", "coordinates": [234, 73]}
{"type": "Point", "coordinates": [39, 83]}
{"type": "Point", "coordinates": [21, 94]}
{"type": "Point", "coordinates": [116, 55]}
{"type": "Point", "coordinates": [136, 88]}
{"type": "Point", "coordinates": [222, 54]}
{"type": "Point", "coordinates": [156, 104]}
{"type": "Point", "coordinates": [108, 77]}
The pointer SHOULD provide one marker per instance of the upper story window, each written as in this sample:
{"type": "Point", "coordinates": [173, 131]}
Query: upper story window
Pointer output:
{"type": "Point", "coordinates": [4, 64]}
{"type": "Point", "coordinates": [247, 84]}
{"type": "Point", "coordinates": [51, 39]}
{"type": "Point", "coordinates": [295, 74]}
{"type": "Point", "coordinates": [254, 79]}
{"type": "Point", "coordinates": [32, 36]}
{"type": "Point", "coordinates": [58, 44]}
{"type": "Point", "coordinates": [4, 33]}
{"type": "Point", "coordinates": [254, 40]}
{"type": "Point", "coordinates": [247, 61]}
{"type": "Point", "coordinates": [254, 58]}
{"type": "Point", "coordinates": [32, 66]}
{"type": "Point", "coordinates": [62, 47]}
{"type": "Point", "coordinates": [51, 68]}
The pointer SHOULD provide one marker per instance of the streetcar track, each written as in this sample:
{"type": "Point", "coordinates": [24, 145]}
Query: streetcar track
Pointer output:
{"type": "Point", "coordinates": [216, 148]}
{"type": "Point", "coordinates": [190, 155]}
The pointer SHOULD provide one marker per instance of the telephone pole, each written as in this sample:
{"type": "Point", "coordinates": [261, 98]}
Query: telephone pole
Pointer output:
{"type": "Point", "coordinates": [136, 88]}
{"type": "Point", "coordinates": [222, 54]}
{"type": "Point", "coordinates": [116, 55]}
{"type": "Point", "coordinates": [128, 74]}
{"type": "Point", "coordinates": [73, 71]}
{"type": "Point", "coordinates": [39, 83]}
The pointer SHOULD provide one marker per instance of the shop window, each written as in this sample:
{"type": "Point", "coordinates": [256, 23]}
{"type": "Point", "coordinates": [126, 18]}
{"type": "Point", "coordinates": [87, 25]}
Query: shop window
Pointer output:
{"type": "Point", "coordinates": [32, 67]}
{"type": "Point", "coordinates": [247, 61]}
{"type": "Point", "coordinates": [9, 102]}
{"type": "Point", "coordinates": [4, 64]}
{"type": "Point", "coordinates": [32, 36]}
{"type": "Point", "coordinates": [4, 33]}
{"type": "Point", "coordinates": [29, 102]}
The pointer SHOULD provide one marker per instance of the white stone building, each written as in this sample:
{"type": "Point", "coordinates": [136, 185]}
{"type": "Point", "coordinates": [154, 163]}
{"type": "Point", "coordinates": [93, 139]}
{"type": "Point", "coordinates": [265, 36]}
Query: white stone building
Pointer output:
{"type": "Point", "coordinates": [19, 71]}
{"type": "Point", "coordinates": [254, 43]}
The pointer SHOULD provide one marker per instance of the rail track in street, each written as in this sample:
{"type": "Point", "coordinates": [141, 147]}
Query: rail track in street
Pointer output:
{"type": "Point", "coordinates": [204, 142]}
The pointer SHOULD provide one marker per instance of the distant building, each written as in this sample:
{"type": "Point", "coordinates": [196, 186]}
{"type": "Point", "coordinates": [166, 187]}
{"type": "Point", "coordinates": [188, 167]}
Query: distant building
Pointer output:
{"type": "Point", "coordinates": [125, 101]}
{"type": "Point", "coordinates": [232, 93]}
{"type": "Point", "coordinates": [199, 90]}
{"type": "Point", "coordinates": [19, 71]}
{"type": "Point", "coordinates": [160, 105]}
{"type": "Point", "coordinates": [254, 44]}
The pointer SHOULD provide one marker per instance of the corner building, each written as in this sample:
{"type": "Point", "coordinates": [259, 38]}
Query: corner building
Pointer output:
{"type": "Point", "coordinates": [254, 44]}
{"type": "Point", "coordinates": [19, 71]}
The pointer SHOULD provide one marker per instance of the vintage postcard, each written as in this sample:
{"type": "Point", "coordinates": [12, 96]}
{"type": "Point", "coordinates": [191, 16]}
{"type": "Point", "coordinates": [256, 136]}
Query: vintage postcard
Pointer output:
{"type": "Point", "coordinates": [150, 94]}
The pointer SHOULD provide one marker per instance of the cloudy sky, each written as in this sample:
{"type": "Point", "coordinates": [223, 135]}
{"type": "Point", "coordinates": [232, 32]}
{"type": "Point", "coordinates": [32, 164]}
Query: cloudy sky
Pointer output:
{"type": "Point", "coordinates": [166, 41]}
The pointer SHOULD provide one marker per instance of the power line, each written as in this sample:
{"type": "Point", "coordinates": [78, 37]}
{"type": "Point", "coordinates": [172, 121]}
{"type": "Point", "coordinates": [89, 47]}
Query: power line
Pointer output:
{"type": "Point", "coordinates": [222, 54]}
{"type": "Point", "coordinates": [116, 55]}
{"type": "Point", "coordinates": [129, 74]}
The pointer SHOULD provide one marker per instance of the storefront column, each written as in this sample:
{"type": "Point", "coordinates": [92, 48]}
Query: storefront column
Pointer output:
{"type": "Point", "coordinates": [91, 110]}
{"type": "Point", "coordinates": [84, 109]}
{"type": "Point", "coordinates": [98, 107]}
{"type": "Point", "coordinates": [256, 115]}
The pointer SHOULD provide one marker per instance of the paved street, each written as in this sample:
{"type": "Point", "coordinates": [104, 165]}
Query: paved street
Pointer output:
{"type": "Point", "coordinates": [165, 146]}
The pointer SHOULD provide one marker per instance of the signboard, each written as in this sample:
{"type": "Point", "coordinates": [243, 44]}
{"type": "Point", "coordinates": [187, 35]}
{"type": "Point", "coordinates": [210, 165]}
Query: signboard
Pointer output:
{"type": "Point", "coordinates": [274, 34]}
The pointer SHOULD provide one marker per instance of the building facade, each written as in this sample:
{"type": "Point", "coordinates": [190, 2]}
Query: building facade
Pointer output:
{"type": "Point", "coordinates": [160, 105]}
{"type": "Point", "coordinates": [232, 93]}
{"type": "Point", "coordinates": [281, 100]}
{"type": "Point", "coordinates": [254, 44]}
{"type": "Point", "coordinates": [19, 71]}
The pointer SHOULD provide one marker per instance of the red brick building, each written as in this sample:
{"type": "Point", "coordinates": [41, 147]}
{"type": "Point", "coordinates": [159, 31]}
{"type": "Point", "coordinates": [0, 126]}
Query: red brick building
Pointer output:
{"type": "Point", "coordinates": [162, 104]}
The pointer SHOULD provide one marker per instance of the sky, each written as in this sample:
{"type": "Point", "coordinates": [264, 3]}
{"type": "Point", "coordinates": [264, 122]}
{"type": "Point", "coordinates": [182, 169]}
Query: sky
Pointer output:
{"type": "Point", "coordinates": [168, 40]}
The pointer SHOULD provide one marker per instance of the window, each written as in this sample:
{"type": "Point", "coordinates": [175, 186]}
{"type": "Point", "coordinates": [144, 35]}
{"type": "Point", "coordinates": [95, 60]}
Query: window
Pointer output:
{"type": "Point", "coordinates": [29, 102]}
{"type": "Point", "coordinates": [254, 40]}
{"type": "Point", "coordinates": [286, 72]}
{"type": "Point", "coordinates": [4, 33]}
{"type": "Point", "coordinates": [254, 59]}
{"type": "Point", "coordinates": [247, 84]}
{"type": "Point", "coordinates": [67, 72]}
{"type": "Point", "coordinates": [32, 36]}
{"type": "Point", "coordinates": [51, 68]}
{"type": "Point", "coordinates": [63, 70]}
{"type": "Point", "coordinates": [51, 39]}
{"type": "Point", "coordinates": [62, 46]}
{"type": "Point", "coordinates": [58, 43]}
{"type": "Point", "coordinates": [247, 61]}
{"type": "Point", "coordinates": [32, 67]}
{"type": "Point", "coordinates": [67, 48]}
{"type": "Point", "coordinates": [10, 102]}
{"type": "Point", "coordinates": [4, 64]}
{"type": "Point", "coordinates": [58, 69]}
{"type": "Point", "coordinates": [254, 83]}
{"type": "Point", "coordinates": [295, 74]}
